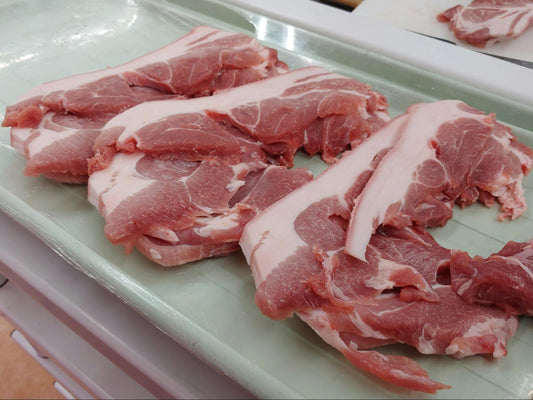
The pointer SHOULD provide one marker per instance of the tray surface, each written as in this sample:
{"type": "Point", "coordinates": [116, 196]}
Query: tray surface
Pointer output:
{"type": "Point", "coordinates": [208, 305]}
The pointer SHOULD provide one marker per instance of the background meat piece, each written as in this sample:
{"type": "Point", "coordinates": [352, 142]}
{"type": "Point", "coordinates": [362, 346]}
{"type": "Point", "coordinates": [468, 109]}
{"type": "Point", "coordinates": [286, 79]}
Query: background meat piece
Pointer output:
{"type": "Point", "coordinates": [504, 279]}
{"type": "Point", "coordinates": [485, 22]}
{"type": "Point", "coordinates": [447, 153]}
{"type": "Point", "coordinates": [200, 63]}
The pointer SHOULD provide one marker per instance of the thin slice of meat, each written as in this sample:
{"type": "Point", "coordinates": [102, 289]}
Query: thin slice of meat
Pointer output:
{"type": "Point", "coordinates": [504, 279]}
{"type": "Point", "coordinates": [310, 108]}
{"type": "Point", "coordinates": [485, 22]}
{"type": "Point", "coordinates": [447, 153]}
{"type": "Point", "coordinates": [449, 327]}
{"type": "Point", "coordinates": [177, 211]}
{"type": "Point", "coordinates": [59, 148]}
{"type": "Point", "coordinates": [204, 61]}
{"type": "Point", "coordinates": [401, 294]}
{"type": "Point", "coordinates": [271, 242]}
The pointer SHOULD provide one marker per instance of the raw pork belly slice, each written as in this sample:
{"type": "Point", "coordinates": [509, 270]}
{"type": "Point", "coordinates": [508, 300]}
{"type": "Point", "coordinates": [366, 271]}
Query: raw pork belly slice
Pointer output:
{"type": "Point", "coordinates": [296, 251]}
{"type": "Point", "coordinates": [504, 279]}
{"type": "Point", "coordinates": [200, 63]}
{"type": "Point", "coordinates": [271, 239]}
{"type": "Point", "coordinates": [177, 211]}
{"type": "Point", "coordinates": [401, 294]}
{"type": "Point", "coordinates": [485, 22]}
{"type": "Point", "coordinates": [311, 108]}
{"type": "Point", "coordinates": [60, 147]}
{"type": "Point", "coordinates": [447, 153]}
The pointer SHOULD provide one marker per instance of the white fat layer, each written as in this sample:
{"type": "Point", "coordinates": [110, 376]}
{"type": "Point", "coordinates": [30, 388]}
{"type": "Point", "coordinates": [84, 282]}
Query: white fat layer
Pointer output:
{"type": "Point", "coordinates": [386, 268]}
{"type": "Point", "coordinates": [502, 26]}
{"type": "Point", "coordinates": [47, 137]}
{"type": "Point", "coordinates": [19, 137]}
{"type": "Point", "coordinates": [224, 102]}
{"type": "Point", "coordinates": [318, 320]}
{"type": "Point", "coordinates": [111, 186]}
{"type": "Point", "coordinates": [390, 182]}
{"type": "Point", "coordinates": [464, 287]}
{"type": "Point", "coordinates": [164, 233]}
{"type": "Point", "coordinates": [270, 238]}
{"type": "Point", "coordinates": [425, 346]}
{"type": "Point", "coordinates": [217, 224]}
{"type": "Point", "coordinates": [174, 49]}
{"type": "Point", "coordinates": [235, 183]}
{"type": "Point", "coordinates": [501, 328]}
{"type": "Point", "coordinates": [156, 255]}
{"type": "Point", "coordinates": [365, 329]}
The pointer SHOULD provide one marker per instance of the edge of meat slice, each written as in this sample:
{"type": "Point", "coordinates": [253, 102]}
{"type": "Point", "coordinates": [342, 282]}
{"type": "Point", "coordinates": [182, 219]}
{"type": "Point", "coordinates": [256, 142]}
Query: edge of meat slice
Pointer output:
{"type": "Point", "coordinates": [448, 152]}
{"type": "Point", "coordinates": [504, 279]}
{"type": "Point", "coordinates": [266, 242]}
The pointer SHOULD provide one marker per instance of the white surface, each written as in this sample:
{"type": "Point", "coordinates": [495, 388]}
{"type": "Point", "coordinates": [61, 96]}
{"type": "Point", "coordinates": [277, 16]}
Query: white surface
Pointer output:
{"type": "Point", "coordinates": [96, 375]}
{"type": "Point", "coordinates": [102, 320]}
{"type": "Point", "coordinates": [476, 69]}
{"type": "Point", "coordinates": [421, 16]}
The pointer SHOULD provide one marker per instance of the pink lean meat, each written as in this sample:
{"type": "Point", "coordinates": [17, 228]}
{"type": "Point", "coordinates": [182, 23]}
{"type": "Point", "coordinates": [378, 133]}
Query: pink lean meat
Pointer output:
{"type": "Point", "coordinates": [401, 290]}
{"type": "Point", "coordinates": [401, 294]}
{"type": "Point", "coordinates": [448, 153]}
{"type": "Point", "coordinates": [504, 279]}
{"type": "Point", "coordinates": [181, 177]}
{"type": "Point", "coordinates": [55, 124]}
{"type": "Point", "coordinates": [485, 22]}
{"type": "Point", "coordinates": [310, 108]}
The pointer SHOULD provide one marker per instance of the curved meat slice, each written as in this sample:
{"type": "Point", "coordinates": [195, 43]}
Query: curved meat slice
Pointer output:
{"type": "Point", "coordinates": [271, 239]}
{"type": "Point", "coordinates": [485, 22]}
{"type": "Point", "coordinates": [200, 63]}
{"type": "Point", "coordinates": [309, 108]}
{"type": "Point", "coordinates": [177, 211]}
{"type": "Point", "coordinates": [447, 153]}
{"type": "Point", "coordinates": [400, 294]}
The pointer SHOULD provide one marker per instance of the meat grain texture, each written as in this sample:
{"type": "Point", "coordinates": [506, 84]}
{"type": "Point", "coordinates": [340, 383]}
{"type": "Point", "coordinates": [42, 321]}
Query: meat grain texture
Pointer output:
{"type": "Point", "coordinates": [354, 259]}
{"type": "Point", "coordinates": [55, 125]}
{"type": "Point", "coordinates": [188, 170]}
{"type": "Point", "coordinates": [483, 23]}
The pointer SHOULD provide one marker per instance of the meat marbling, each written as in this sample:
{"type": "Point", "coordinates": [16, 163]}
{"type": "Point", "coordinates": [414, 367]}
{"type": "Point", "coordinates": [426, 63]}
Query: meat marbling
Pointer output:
{"type": "Point", "coordinates": [309, 108]}
{"type": "Point", "coordinates": [222, 145]}
{"type": "Point", "coordinates": [447, 153]}
{"type": "Point", "coordinates": [402, 293]}
{"type": "Point", "coordinates": [177, 211]}
{"type": "Point", "coordinates": [485, 22]}
{"type": "Point", "coordinates": [202, 62]}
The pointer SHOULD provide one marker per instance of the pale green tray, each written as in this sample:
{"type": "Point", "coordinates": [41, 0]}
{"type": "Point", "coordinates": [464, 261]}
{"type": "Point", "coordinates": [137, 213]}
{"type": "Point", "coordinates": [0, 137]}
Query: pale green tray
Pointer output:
{"type": "Point", "coordinates": [208, 306]}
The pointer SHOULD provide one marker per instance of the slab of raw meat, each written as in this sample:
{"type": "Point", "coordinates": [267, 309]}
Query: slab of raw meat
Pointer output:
{"type": "Point", "coordinates": [448, 153]}
{"type": "Point", "coordinates": [177, 211]}
{"type": "Point", "coordinates": [402, 295]}
{"type": "Point", "coordinates": [504, 279]}
{"type": "Point", "coordinates": [200, 63]}
{"type": "Point", "coordinates": [310, 108]}
{"type": "Point", "coordinates": [485, 22]}
{"type": "Point", "coordinates": [271, 239]}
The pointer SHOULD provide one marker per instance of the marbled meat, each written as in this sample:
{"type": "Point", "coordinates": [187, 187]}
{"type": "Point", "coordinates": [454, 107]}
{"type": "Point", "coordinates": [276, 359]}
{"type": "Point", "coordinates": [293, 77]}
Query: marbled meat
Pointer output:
{"type": "Point", "coordinates": [485, 22]}
{"type": "Point", "coordinates": [54, 124]}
